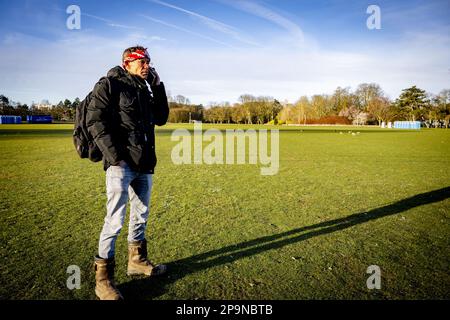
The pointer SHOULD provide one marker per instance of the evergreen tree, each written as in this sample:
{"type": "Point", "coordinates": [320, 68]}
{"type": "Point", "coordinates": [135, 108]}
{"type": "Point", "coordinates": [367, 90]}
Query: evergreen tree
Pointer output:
{"type": "Point", "coordinates": [412, 103]}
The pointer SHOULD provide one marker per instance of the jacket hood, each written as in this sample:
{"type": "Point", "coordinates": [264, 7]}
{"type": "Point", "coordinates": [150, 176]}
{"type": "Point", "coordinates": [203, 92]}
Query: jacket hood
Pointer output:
{"type": "Point", "coordinates": [121, 74]}
{"type": "Point", "coordinates": [117, 72]}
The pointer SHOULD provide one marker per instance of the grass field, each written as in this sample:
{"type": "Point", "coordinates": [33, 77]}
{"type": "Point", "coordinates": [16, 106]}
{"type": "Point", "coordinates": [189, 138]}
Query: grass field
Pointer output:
{"type": "Point", "coordinates": [339, 203]}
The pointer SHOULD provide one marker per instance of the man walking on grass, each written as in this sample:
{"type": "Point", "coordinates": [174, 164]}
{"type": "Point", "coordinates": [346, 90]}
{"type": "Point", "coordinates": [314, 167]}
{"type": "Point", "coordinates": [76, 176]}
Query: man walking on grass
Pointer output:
{"type": "Point", "coordinates": [121, 118]}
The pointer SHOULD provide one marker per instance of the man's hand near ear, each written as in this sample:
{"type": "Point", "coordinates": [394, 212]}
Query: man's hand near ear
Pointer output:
{"type": "Point", "coordinates": [152, 74]}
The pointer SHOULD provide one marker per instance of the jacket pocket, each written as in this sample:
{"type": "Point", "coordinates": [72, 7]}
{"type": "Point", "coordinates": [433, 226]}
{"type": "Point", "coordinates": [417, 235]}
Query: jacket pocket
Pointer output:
{"type": "Point", "coordinates": [136, 148]}
{"type": "Point", "coordinates": [136, 139]}
{"type": "Point", "coordinates": [126, 102]}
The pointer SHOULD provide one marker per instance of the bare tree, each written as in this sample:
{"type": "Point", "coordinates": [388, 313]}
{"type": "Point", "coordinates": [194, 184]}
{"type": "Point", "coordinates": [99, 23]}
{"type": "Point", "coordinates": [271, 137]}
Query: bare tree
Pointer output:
{"type": "Point", "coordinates": [366, 92]}
{"type": "Point", "coordinates": [380, 109]}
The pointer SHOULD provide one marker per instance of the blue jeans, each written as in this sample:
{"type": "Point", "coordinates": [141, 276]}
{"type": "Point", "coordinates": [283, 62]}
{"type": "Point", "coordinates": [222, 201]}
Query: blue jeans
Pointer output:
{"type": "Point", "coordinates": [123, 183]}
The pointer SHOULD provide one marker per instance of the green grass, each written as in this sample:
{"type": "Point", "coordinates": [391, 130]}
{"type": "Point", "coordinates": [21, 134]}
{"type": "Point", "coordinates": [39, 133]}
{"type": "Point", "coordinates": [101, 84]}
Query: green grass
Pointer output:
{"type": "Point", "coordinates": [338, 204]}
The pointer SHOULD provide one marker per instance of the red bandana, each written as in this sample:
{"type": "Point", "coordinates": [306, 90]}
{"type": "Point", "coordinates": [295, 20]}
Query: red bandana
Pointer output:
{"type": "Point", "coordinates": [138, 54]}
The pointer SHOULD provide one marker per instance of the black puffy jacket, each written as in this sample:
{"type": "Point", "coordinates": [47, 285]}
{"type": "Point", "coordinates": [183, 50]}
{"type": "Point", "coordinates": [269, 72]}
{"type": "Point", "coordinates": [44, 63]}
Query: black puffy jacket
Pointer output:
{"type": "Point", "coordinates": [121, 118]}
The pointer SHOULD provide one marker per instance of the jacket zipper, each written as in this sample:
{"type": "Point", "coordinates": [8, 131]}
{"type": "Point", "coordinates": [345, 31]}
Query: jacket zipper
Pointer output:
{"type": "Point", "coordinates": [142, 113]}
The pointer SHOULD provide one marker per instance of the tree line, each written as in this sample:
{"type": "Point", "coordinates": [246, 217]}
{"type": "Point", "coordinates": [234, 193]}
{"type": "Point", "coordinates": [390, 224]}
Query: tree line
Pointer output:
{"type": "Point", "coordinates": [368, 104]}
{"type": "Point", "coordinates": [63, 111]}
{"type": "Point", "coordinates": [249, 110]}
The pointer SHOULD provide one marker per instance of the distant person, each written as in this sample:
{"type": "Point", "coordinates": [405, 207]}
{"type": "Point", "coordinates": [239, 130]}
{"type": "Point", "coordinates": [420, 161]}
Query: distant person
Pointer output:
{"type": "Point", "coordinates": [121, 118]}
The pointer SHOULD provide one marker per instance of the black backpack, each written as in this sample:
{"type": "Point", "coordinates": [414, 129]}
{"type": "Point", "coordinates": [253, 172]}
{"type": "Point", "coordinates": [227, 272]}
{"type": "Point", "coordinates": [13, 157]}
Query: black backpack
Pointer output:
{"type": "Point", "coordinates": [82, 139]}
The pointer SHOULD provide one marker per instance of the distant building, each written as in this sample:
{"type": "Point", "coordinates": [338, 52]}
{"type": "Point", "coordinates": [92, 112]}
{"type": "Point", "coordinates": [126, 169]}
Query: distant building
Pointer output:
{"type": "Point", "coordinates": [41, 106]}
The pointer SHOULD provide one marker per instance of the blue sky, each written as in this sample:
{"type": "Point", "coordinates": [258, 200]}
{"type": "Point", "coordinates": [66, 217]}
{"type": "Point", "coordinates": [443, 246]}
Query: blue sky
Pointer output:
{"type": "Point", "coordinates": [215, 50]}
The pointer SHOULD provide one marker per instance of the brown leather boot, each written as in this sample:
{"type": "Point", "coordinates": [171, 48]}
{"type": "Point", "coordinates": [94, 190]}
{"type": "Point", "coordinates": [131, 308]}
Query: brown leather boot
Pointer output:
{"type": "Point", "coordinates": [138, 263]}
{"type": "Point", "coordinates": [105, 288]}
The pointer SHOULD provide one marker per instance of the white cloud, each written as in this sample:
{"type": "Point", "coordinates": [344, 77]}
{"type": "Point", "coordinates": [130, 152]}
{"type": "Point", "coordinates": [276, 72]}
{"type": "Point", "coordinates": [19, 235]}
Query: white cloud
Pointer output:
{"type": "Point", "coordinates": [109, 22]}
{"type": "Point", "coordinates": [269, 15]}
{"type": "Point", "coordinates": [41, 69]}
{"type": "Point", "coordinates": [222, 75]}
{"type": "Point", "coordinates": [209, 22]}
{"type": "Point", "coordinates": [170, 25]}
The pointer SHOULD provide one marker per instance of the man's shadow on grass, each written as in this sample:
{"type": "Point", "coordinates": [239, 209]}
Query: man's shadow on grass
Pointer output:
{"type": "Point", "coordinates": [143, 288]}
